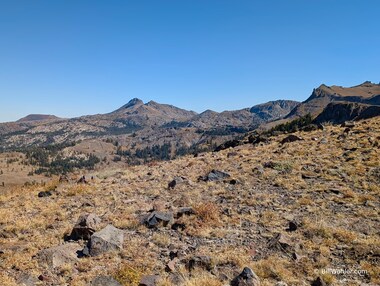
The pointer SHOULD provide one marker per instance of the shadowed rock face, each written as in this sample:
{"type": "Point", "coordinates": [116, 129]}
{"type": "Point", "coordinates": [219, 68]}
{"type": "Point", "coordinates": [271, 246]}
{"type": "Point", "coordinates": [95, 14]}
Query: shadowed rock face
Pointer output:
{"type": "Point", "coordinates": [339, 112]}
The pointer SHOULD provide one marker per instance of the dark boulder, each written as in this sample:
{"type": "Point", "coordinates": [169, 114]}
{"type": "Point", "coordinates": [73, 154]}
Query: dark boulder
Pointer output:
{"type": "Point", "coordinates": [293, 226]}
{"type": "Point", "coordinates": [45, 194]}
{"type": "Point", "coordinates": [172, 184]}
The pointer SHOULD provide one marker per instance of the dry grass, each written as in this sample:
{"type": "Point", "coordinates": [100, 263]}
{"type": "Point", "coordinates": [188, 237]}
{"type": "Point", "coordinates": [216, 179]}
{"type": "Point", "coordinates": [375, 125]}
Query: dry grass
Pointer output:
{"type": "Point", "coordinates": [335, 201]}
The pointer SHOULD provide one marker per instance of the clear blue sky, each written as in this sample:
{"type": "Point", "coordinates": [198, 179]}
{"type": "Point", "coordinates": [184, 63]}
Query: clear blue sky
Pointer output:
{"type": "Point", "coordinates": [76, 57]}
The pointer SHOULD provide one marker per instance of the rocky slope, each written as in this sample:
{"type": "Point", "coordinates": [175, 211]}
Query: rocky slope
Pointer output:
{"type": "Point", "coordinates": [365, 93]}
{"type": "Point", "coordinates": [281, 212]}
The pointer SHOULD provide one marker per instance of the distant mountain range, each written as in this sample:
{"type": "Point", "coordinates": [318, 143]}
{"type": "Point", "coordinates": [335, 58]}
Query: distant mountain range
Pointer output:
{"type": "Point", "coordinates": [140, 125]}
{"type": "Point", "coordinates": [149, 123]}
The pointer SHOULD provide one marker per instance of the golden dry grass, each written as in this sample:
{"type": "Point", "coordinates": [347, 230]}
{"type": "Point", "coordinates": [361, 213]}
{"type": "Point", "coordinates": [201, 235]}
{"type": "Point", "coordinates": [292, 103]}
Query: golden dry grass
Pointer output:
{"type": "Point", "coordinates": [331, 190]}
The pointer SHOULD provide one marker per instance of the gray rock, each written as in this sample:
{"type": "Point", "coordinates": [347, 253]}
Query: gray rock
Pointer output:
{"type": "Point", "coordinates": [246, 278]}
{"type": "Point", "coordinates": [108, 239]}
{"type": "Point", "coordinates": [59, 255]}
{"type": "Point", "coordinates": [155, 219]}
{"type": "Point", "coordinates": [216, 175]}
{"type": "Point", "coordinates": [185, 211]}
{"type": "Point", "coordinates": [105, 281]}
{"type": "Point", "coordinates": [149, 280]}
{"type": "Point", "coordinates": [86, 226]}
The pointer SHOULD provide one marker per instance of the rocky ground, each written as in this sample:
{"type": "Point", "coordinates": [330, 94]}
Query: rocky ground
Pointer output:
{"type": "Point", "coordinates": [285, 212]}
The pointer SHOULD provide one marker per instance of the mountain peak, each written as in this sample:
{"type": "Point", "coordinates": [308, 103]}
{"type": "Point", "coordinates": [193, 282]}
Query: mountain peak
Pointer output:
{"type": "Point", "coordinates": [133, 102]}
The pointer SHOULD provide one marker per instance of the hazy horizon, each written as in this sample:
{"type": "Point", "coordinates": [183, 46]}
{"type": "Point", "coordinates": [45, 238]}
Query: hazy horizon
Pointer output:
{"type": "Point", "coordinates": [78, 58]}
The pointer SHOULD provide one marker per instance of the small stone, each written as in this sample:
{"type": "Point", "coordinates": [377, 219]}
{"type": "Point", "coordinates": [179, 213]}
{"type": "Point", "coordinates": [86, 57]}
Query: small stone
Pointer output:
{"type": "Point", "coordinates": [44, 194]}
{"type": "Point", "coordinates": [172, 184]}
{"type": "Point", "coordinates": [170, 267]}
{"type": "Point", "coordinates": [293, 226]}
{"type": "Point", "coordinates": [43, 278]}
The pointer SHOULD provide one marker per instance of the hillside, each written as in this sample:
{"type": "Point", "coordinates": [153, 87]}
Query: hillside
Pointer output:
{"type": "Point", "coordinates": [135, 133]}
{"type": "Point", "coordinates": [288, 211]}
{"type": "Point", "coordinates": [365, 93]}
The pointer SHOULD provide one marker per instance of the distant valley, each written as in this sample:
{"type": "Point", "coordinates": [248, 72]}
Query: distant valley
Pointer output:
{"type": "Point", "coordinates": [140, 132]}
